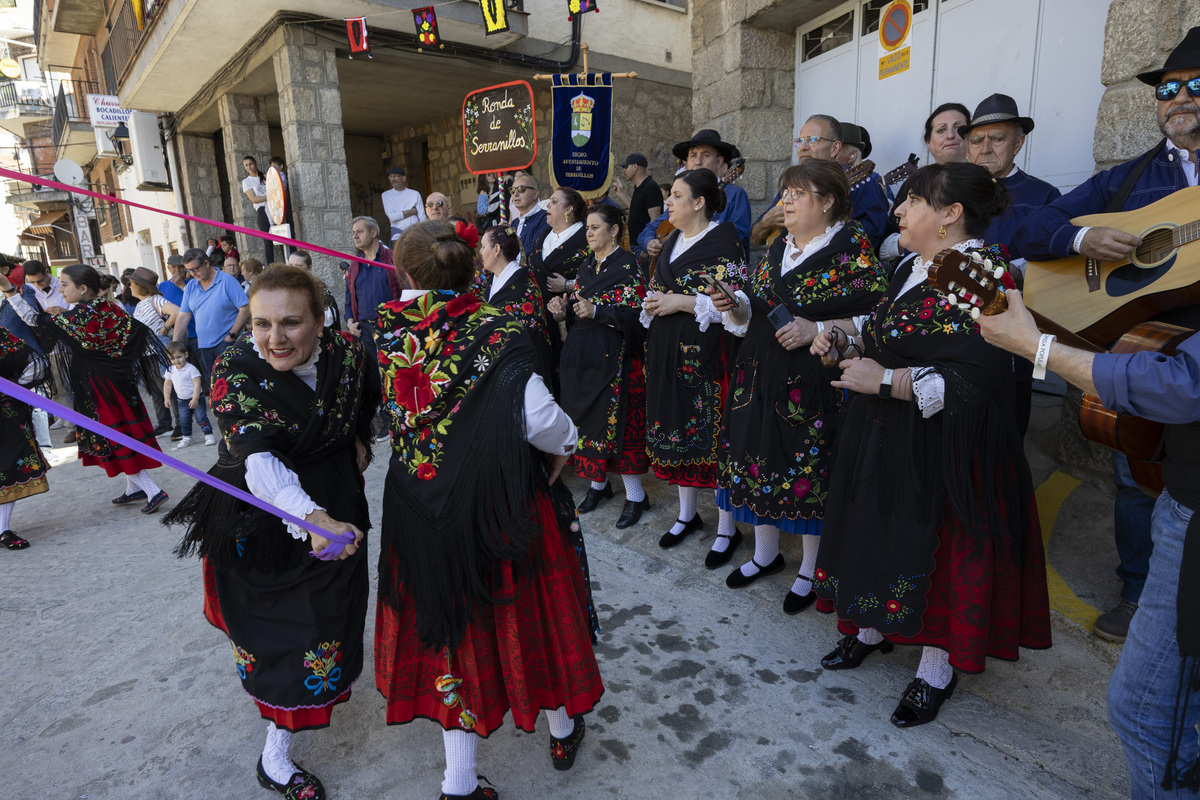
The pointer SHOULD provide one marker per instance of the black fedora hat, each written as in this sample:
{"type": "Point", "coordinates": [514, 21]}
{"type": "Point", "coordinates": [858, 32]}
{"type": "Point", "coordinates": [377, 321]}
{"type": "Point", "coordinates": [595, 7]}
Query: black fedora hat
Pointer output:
{"type": "Point", "coordinates": [706, 136]}
{"type": "Point", "coordinates": [856, 136]}
{"type": "Point", "coordinates": [1185, 56]}
{"type": "Point", "coordinates": [996, 108]}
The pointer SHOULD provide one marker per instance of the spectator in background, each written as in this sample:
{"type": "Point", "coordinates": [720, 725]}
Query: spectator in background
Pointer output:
{"type": "Point", "coordinates": [12, 271]}
{"type": "Point", "coordinates": [233, 268]}
{"type": "Point", "coordinates": [216, 300]}
{"type": "Point", "coordinates": [303, 260]}
{"type": "Point", "coordinates": [251, 269]}
{"type": "Point", "coordinates": [125, 295]}
{"type": "Point", "coordinates": [368, 286]}
{"type": "Point", "coordinates": [254, 186]}
{"type": "Point", "coordinates": [46, 291]}
{"type": "Point", "coordinates": [212, 246]}
{"type": "Point", "coordinates": [438, 206]}
{"type": "Point", "coordinates": [645, 203]}
{"type": "Point", "coordinates": [487, 207]}
{"type": "Point", "coordinates": [156, 313]}
{"type": "Point", "coordinates": [530, 220]}
{"type": "Point", "coordinates": [228, 249]}
{"type": "Point", "coordinates": [402, 205]}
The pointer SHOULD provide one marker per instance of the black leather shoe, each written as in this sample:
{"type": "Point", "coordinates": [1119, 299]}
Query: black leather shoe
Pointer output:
{"type": "Point", "coordinates": [480, 793]}
{"type": "Point", "coordinates": [563, 751]}
{"type": "Point", "coordinates": [920, 703]}
{"type": "Point", "coordinates": [669, 539]}
{"type": "Point", "coordinates": [714, 559]}
{"type": "Point", "coordinates": [161, 429]}
{"type": "Point", "coordinates": [302, 784]}
{"type": "Point", "coordinates": [632, 512]}
{"type": "Point", "coordinates": [125, 499]}
{"type": "Point", "coordinates": [851, 651]}
{"type": "Point", "coordinates": [594, 496]}
{"type": "Point", "coordinates": [737, 580]}
{"type": "Point", "coordinates": [795, 603]}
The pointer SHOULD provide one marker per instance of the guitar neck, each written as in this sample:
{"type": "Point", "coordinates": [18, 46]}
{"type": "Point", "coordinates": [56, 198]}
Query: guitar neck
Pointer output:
{"type": "Point", "coordinates": [1065, 336]}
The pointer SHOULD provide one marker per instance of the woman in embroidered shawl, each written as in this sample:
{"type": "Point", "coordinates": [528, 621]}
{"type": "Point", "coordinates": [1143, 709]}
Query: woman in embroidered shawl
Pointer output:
{"type": "Point", "coordinates": [603, 383]}
{"type": "Point", "coordinates": [508, 285]}
{"type": "Point", "coordinates": [22, 465]}
{"type": "Point", "coordinates": [780, 420]}
{"type": "Point", "coordinates": [106, 354]}
{"type": "Point", "coordinates": [483, 606]}
{"type": "Point", "coordinates": [931, 533]}
{"type": "Point", "coordinates": [687, 357]}
{"type": "Point", "coordinates": [295, 402]}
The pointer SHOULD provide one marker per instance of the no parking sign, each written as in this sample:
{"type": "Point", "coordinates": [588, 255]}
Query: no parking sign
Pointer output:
{"type": "Point", "coordinates": [895, 26]}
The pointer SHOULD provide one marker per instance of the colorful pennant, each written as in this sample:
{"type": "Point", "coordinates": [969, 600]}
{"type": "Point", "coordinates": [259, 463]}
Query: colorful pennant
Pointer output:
{"type": "Point", "coordinates": [427, 30]}
{"type": "Point", "coordinates": [356, 30]}
{"type": "Point", "coordinates": [580, 7]}
{"type": "Point", "coordinates": [495, 16]}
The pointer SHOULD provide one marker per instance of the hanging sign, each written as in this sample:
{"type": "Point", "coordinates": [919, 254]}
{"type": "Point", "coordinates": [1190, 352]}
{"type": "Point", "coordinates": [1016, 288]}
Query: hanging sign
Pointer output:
{"type": "Point", "coordinates": [580, 7]}
{"type": "Point", "coordinates": [895, 28]}
{"type": "Point", "coordinates": [427, 28]}
{"type": "Point", "coordinates": [499, 132]}
{"type": "Point", "coordinates": [495, 16]}
{"type": "Point", "coordinates": [580, 152]}
{"type": "Point", "coordinates": [104, 111]}
{"type": "Point", "coordinates": [277, 199]}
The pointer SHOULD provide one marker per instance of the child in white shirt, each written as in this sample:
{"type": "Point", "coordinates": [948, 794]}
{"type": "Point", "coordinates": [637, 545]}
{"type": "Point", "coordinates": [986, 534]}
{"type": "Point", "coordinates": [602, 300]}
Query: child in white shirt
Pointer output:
{"type": "Point", "coordinates": [184, 378]}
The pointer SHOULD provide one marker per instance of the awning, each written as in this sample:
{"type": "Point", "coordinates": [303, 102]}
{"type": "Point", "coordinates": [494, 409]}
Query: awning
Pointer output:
{"type": "Point", "coordinates": [41, 225]}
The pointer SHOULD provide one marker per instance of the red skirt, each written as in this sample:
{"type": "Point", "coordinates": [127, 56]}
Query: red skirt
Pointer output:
{"type": "Point", "coordinates": [128, 419]}
{"type": "Point", "coordinates": [531, 654]}
{"type": "Point", "coordinates": [633, 458]}
{"type": "Point", "coordinates": [981, 601]}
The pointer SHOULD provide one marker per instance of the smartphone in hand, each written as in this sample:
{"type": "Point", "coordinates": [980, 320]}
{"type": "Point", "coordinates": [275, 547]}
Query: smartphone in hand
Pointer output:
{"type": "Point", "coordinates": [713, 283]}
{"type": "Point", "coordinates": [780, 316]}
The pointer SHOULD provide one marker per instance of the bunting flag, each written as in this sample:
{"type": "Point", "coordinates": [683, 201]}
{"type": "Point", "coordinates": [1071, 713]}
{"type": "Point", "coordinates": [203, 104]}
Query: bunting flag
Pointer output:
{"type": "Point", "coordinates": [356, 29]}
{"type": "Point", "coordinates": [580, 153]}
{"type": "Point", "coordinates": [427, 30]}
{"type": "Point", "coordinates": [495, 16]}
{"type": "Point", "coordinates": [139, 14]}
{"type": "Point", "coordinates": [580, 7]}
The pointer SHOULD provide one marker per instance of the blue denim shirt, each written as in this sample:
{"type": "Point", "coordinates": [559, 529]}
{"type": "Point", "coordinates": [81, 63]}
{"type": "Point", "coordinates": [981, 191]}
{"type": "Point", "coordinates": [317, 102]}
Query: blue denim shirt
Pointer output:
{"type": "Point", "coordinates": [1028, 195]}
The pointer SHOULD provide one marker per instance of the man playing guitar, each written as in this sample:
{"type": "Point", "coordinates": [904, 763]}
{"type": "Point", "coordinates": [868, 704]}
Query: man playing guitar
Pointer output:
{"type": "Point", "coordinates": [1048, 233]}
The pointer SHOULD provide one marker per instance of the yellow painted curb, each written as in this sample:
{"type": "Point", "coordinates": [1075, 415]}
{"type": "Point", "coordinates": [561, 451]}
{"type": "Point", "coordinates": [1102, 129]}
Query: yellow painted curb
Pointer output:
{"type": "Point", "coordinates": [1050, 497]}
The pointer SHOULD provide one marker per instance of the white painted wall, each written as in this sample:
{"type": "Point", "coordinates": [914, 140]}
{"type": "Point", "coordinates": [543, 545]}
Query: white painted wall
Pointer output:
{"type": "Point", "coordinates": [641, 30]}
{"type": "Point", "coordinates": [147, 231]}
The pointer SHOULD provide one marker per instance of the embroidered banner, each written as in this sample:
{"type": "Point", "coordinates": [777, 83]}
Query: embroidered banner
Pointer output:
{"type": "Point", "coordinates": [499, 131]}
{"type": "Point", "coordinates": [580, 151]}
{"type": "Point", "coordinates": [356, 32]}
{"type": "Point", "coordinates": [495, 16]}
{"type": "Point", "coordinates": [427, 28]}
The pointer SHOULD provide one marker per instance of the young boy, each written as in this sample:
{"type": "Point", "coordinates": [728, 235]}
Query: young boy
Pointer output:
{"type": "Point", "coordinates": [184, 378]}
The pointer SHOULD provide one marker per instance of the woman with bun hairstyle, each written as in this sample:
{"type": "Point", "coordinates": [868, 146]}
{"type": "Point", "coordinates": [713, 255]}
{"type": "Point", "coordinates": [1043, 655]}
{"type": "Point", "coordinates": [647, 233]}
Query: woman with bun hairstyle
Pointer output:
{"type": "Point", "coordinates": [483, 602]}
{"type": "Point", "coordinates": [688, 353]}
{"type": "Point", "coordinates": [105, 353]}
{"type": "Point", "coordinates": [603, 381]}
{"type": "Point", "coordinates": [931, 533]}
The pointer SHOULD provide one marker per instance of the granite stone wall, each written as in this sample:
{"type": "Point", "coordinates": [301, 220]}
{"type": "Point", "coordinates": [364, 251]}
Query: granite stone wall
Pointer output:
{"type": "Point", "coordinates": [244, 127]}
{"type": "Point", "coordinates": [201, 186]}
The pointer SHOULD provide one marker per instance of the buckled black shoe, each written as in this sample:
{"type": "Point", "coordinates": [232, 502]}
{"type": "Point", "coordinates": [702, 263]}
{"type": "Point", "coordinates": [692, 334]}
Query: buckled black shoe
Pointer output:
{"type": "Point", "coordinates": [125, 499]}
{"type": "Point", "coordinates": [738, 580]}
{"type": "Point", "coordinates": [562, 751]}
{"type": "Point", "coordinates": [851, 651]}
{"type": "Point", "coordinates": [920, 703]}
{"type": "Point", "coordinates": [632, 512]}
{"type": "Point", "coordinates": [795, 603]}
{"type": "Point", "coordinates": [594, 497]}
{"type": "Point", "coordinates": [669, 539]}
{"type": "Point", "coordinates": [714, 559]}
{"type": "Point", "coordinates": [303, 785]}
{"type": "Point", "coordinates": [479, 793]}
{"type": "Point", "coordinates": [153, 503]}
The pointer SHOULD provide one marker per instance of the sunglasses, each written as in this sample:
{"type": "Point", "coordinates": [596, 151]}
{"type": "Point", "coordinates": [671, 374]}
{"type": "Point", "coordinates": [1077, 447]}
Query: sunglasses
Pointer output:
{"type": "Point", "coordinates": [811, 141]}
{"type": "Point", "coordinates": [1168, 89]}
{"type": "Point", "coordinates": [435, 204]}
{"type": "Point", "coordinates": [521, 189]}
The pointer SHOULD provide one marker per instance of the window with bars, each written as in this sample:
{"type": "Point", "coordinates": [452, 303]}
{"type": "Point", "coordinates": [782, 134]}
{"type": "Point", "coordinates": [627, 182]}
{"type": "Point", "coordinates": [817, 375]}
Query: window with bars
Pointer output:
{"type": "Point", "coordinates": [830, 36]}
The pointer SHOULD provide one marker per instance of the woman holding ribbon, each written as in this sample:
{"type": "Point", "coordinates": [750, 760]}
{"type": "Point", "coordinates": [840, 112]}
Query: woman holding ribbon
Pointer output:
{"type": "Point", "coordinates": [603, 381]}
{"type": "Point", "coordinates": [780, 421]}
{"type": "Point", "coordinates": [22, 465]}
{"type": "Point", "coordinates": [687, 359]}
{"type": "Point", "coordinates": [483, 602]}
{"type": "Point", "coordinates": [295, 402]}
{"type": "Point", "coordinates": [106, 353]}
{"type": "Point", "coordinates": [931, 534]}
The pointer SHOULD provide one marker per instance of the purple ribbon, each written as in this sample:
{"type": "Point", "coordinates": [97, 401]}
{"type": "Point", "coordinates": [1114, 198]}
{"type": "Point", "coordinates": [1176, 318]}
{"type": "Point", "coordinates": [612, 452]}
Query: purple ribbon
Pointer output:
{"type": "Point", "coordinates": [337, 540]}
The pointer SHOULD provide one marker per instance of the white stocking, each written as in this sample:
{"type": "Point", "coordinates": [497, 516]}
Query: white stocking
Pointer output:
{"type": "Point", "coordinates": [766, 548]}
{"type": "Point", "coordinates": [725, 527]}
{"type": "Point", "coordinates": [561, 723]}
{"type": "Point", "coordinates": [633, 488]}
{"type": "Point", "coordinates": [803, 583]}
{"type": "Point", "coordinates": [276, 762]}
{"type": "Point", "coordinates": [870, 636]}
{"type": "Point", "coordinates": [687, 507]}
{"type": "Point", "coordinates": [598, 485]}
{"type": "Point", "coordinates": [144, 482]}
{"type": "Point", "coordinates": [6, 510]}
{"type": "Point", "coordinates": [935, 667]}
{"type": "Point", "coordinates": [459, 778]}
{"type": "Point", "coordinates": [131, 486]}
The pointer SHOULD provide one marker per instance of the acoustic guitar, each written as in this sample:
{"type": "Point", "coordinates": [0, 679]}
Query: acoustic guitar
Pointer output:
{"type": "Point", "coordinates": [1100, 300]}
{"type": "Point", "coordinates": [856, 175]}
{"type": "Point", "coordinates": [736, 168]}
{"type": "Point", "coordinates": [972, 283]}
{"type": "Point", "coordinates": [902, 172]}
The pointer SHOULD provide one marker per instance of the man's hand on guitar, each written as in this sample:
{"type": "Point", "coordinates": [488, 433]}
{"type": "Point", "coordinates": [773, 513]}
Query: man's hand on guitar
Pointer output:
{"type": "Point", "coordinates": [1108, 244]}
{"type": "Point", "coordinates": [770, 221]}
{"type": "Point", "coordinates": [654, 247]}
{"type": "Point", "coordinates": [1012, 330]}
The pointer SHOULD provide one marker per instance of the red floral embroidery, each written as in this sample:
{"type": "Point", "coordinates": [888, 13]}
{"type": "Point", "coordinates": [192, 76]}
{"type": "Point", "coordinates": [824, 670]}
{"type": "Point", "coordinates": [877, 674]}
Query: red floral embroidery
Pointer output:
{"type": "Point", "coordinates": [893, 606]}
{"type": "Point", "coordinates": [463, 304]}
{"type": "Point", "coordinates": [426, 472]}
{"type": "Point", "coordinates": [412, 389]}
{"type": "Point", "coordinates": [219, 389]}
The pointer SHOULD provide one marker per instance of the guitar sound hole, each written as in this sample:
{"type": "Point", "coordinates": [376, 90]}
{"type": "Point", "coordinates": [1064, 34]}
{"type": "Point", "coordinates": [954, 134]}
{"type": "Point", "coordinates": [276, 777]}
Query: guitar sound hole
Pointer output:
{"type": "Point", "coordinates": [1156, 245]}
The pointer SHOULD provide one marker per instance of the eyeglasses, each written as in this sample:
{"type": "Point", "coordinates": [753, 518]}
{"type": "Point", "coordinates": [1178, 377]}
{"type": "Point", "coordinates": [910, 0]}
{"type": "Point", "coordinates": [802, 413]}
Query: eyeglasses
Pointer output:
{"type": "Point", "coordinates": [196, 268]}
{"type": "Point", "coordinates": [521, 189]}
{"type": "Point", "coordinates": [795, 194]}
{"type": "Point", "coordinates": [435, 204]}
{"type": "Point", "coordinates": [1168, 89]}
{"type": "Point", "coordinates": [811, 141]}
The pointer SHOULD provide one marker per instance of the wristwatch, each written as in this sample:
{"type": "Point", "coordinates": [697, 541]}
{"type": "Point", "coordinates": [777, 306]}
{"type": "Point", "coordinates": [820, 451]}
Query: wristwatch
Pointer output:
{"type": "Point", "coordinates": [885, 385]}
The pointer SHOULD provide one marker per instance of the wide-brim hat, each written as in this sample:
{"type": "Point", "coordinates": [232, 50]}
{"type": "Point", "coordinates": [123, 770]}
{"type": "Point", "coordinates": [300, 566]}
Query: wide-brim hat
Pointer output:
{"type": "Point", "coordinates": [144, 278]}
{"type": "Point", "coordinates": [706, 136]}
{"type": "Point", "coordinates": [996, 108]}
{"type": "Point", "coordinates": [1185, 56]}
{"type": "Point", "coordinates": [856, 136]}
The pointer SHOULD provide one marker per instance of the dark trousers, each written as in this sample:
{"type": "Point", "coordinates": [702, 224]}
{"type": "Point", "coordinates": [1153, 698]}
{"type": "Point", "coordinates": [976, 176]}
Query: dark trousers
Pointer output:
{"type": "Point", "coordinates": [264, 225]}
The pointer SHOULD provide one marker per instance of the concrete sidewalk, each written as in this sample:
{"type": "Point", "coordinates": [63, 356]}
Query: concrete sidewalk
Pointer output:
{"type": "Point", "coordinates": [118, 688]}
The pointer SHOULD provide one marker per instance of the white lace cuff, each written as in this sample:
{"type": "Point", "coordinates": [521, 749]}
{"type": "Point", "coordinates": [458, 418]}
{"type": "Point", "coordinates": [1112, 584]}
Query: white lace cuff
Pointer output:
{"type": "Point", "coordinates": [706, 312]}
{"type": "Point", "coordinates": [268, 479]}
{"type": "Point", "coordinates": [929, 390]}
{"type": "Point", "coordinates": [645, 318]}
{"type": "Point", "coordinates": [728, 322]}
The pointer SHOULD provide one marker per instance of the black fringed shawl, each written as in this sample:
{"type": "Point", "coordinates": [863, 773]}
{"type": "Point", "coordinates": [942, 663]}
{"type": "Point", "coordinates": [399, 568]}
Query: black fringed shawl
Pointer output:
{"type": "Point", "coordinates": [461, 492]}
{"type": "Point", "coordinates": [262, 410]}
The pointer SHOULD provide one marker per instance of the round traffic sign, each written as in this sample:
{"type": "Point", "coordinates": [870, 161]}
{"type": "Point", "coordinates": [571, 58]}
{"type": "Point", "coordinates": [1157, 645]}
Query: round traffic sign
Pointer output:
{"type": "Point", "coordinates": [894, 24]}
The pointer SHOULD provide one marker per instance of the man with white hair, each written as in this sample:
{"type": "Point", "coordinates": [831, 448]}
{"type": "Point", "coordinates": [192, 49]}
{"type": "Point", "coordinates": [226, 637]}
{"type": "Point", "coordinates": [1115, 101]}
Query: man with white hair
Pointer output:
{"type": "Point", "coordinates": [437, 206]}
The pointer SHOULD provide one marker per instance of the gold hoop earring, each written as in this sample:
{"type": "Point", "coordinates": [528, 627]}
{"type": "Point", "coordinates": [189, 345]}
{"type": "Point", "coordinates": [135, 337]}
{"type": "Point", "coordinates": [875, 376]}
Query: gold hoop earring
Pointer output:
{"type": "Point", "coordinates": [942, 232]}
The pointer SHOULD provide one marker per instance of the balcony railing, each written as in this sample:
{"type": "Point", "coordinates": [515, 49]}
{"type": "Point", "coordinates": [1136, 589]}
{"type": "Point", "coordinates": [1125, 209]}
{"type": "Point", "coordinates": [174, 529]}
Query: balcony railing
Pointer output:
{"type": "Point", "coordinates": [31, 95]}
{"type": "Point", "coordinates": [71, 106]}
{"type": "Point", "coordinates": [37, 23]}
{"type": "Point", "coordinates": [124, 39]}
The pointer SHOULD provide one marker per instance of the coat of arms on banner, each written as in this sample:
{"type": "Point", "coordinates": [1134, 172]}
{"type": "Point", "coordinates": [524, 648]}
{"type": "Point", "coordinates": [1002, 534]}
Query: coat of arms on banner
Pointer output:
{"type": "Point", "coordinates": [581, 119]}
